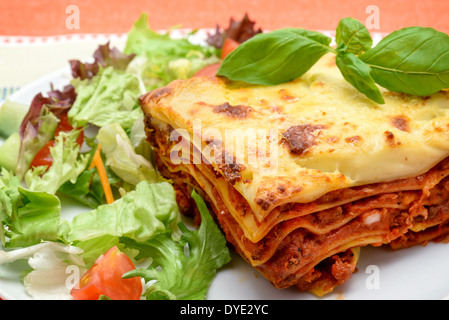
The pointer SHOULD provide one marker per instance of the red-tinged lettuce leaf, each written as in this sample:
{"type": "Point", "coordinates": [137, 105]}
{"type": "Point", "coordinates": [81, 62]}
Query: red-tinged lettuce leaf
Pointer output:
{"type": "Point", "coordinates": [107, 57]}
{"type": "Point", "coordinates": [104, 56]}
{"type": "Point", "coordinates": [242, 30]}
{"type": "Point", "coordinates": [58, 102]}
{"type": "Point", "coordinates": [35, 133]}
{"type": "Point", "coordinates": [39, 124]}
{"type": "Point", "coordinates": [238, 30]}
{"type": "Point", "coordinates": [61, 101]}
{"type": "Point", "coordinates": [33, 113]}
{"type": "Point", "coordinates": [83, 70]}
{"type": "Point", "coordinates": [216, 39]}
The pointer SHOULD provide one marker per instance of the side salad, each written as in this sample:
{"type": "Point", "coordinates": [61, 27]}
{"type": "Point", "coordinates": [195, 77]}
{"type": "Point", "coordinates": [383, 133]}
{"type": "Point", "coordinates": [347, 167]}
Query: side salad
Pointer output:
{"type": "Point", "coordinates": [86, 142]}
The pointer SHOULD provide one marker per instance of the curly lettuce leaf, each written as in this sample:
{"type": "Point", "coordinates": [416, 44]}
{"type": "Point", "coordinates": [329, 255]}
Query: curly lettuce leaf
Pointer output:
{"type": "Point", "coordinates": [122, 158]}
{"type": "Point", "coordinates": [88, 187]}
{"type": "Point", "coordinates": [183, 269]}
{"type": "Point", "coordinates": [67, 165]}
{"type": "Point", "coordinates": [161, 59]}
{"type": "Point", "coordinates": [110, 96]}
{"type": "Point", "coordinates": [9, 197]}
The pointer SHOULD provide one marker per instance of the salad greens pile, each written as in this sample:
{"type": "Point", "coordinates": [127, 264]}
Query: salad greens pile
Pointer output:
{"type": "Point", "coordinates": [161, 59]}
{"type": "Point", "coordinates": [94, 135]}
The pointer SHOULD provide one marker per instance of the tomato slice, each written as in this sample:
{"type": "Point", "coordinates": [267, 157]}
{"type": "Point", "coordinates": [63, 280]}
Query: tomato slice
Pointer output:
{"type": "Point", "coordinates": [105, 278]}
{"type": "Point", "coordinates": [43, 157]}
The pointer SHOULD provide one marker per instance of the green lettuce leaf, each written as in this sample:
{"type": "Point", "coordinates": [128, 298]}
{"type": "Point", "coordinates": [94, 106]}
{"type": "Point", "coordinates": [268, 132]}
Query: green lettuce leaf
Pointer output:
{"type": "Point", "coordinates": [27, 217]}
{"type": "Point", "coordinates": [122, 158]}
{"type": "Point", "coordinates": [161, 59]}
{"type": "Point", "coordinates": [9, 198]}
{"type": "Point", "coordinates": [183, 269]}
{"type": "Point", "coordinates": [67, 165]}
{"type": "Point", "coordinates": [139, 215]}
{"type": "Point", "coordinates": [87, 189]}
{"type": "Point", "coordinates": [110, 96]}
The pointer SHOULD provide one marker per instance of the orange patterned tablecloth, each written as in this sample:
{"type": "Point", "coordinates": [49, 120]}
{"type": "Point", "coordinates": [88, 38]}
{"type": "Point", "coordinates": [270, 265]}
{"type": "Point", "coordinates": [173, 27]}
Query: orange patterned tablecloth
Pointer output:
{"type": "Point", "coordinates": [39, 36]}
{"type": "Point", "coordinates": [48, 17]}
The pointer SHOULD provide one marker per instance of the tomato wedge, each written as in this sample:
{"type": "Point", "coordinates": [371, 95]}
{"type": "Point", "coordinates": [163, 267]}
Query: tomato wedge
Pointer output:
{"type": "Point", "coordinates": [229, 45]}
{"type": "Point", "coordinates": [208, 71]}
{"type": "Point", "coordinates": [43, 157]}
{"type": "Point", "coordinates": [105, 278]}
{"type": "Point", "coordinates": [65, 126]}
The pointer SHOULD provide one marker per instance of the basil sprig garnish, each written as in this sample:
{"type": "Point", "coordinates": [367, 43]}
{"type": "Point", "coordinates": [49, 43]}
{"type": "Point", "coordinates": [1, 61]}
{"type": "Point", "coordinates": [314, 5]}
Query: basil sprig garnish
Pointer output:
{"type": "Point", "coordinates": [275, 57]}
{"type": "Point", "coordinates": [353, 39]}
{"type": "Point", "coordinates": [413, 60]}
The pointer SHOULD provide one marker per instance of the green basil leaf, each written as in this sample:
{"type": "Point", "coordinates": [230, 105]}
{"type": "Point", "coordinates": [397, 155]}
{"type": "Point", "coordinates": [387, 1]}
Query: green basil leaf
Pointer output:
{"type": "Point", "coordinates": [357, 73]}
{"type": "Point", "coordinates": [275, 57]}
{"type": "Point", "coordinates": [412, 60]}
{"type": "Point", "coordinates": [353, 36]}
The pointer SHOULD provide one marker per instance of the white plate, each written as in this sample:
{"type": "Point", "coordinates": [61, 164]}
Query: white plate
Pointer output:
{"type": "Point", "coordinates": [416, 273]}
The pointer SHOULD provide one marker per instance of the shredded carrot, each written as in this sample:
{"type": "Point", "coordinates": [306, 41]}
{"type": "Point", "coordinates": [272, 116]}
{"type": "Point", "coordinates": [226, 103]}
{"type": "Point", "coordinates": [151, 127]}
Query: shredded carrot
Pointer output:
{"type": "Point", "coordinates": [96, 154]}
{"type": "Point", "coordinates": [98, 162]}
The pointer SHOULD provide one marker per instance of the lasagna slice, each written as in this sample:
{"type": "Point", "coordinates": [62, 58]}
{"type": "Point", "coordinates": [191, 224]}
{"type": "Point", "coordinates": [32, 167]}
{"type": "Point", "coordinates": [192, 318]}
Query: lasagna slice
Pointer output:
{"type": "Point", "coordinates": [301, 175]}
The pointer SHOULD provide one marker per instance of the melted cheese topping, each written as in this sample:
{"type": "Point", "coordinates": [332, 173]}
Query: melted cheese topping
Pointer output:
{"type": "Point", "coordinates": [353, 141]}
